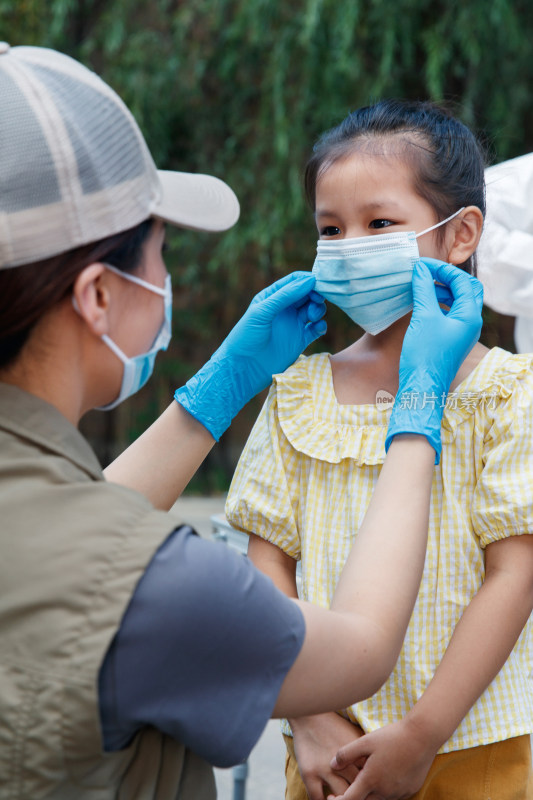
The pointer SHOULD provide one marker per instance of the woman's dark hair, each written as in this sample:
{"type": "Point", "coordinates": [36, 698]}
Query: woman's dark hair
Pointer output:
{"type": "Point", "coordinates": [29, 291]}
{"type": "Point", "coordinates": [448, 162]}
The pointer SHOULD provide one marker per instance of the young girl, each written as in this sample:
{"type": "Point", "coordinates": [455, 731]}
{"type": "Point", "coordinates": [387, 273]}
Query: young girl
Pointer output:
{"type": "Point", "coordinates": [455, 716]}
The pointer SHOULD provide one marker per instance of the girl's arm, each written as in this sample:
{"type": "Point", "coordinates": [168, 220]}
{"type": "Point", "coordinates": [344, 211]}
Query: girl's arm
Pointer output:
{"type": "Point", "coordinates": [399, 756]}
{"type": "Point", "coordinates": [482, 640]}
{"type": "Point", "coordinates": [272, 561]}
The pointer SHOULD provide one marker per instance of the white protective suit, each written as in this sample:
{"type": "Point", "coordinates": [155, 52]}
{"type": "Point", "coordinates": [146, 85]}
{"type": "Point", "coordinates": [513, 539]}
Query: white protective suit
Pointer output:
{"type": "Point", "coordinates": [505, 254]}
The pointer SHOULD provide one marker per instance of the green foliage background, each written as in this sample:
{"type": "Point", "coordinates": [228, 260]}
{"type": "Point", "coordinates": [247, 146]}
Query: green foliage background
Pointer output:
{"type": "Point", "coordinates": [241, 89]}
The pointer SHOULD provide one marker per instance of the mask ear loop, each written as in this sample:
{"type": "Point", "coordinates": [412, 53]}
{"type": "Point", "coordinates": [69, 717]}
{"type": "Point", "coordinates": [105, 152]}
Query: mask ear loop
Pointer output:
{"type": "Point", "coordinates": [139, 281]}
{"type": "Point", "coordinates": [444, 221]}
{"type": "Point", "coordinates": [165, 292]}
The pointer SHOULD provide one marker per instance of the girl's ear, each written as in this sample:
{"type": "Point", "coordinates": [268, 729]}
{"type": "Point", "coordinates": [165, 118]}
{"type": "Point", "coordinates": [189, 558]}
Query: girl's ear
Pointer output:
{"type": "Point", "coordinates": [466, 236]}
{"type": "Point", "coordinates": [91, 298]}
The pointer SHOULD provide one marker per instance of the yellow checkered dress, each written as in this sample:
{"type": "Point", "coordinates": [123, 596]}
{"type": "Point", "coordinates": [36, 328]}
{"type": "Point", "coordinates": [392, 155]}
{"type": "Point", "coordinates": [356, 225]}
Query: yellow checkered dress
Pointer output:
{"type": "Point", "coordinates": [304, 482]}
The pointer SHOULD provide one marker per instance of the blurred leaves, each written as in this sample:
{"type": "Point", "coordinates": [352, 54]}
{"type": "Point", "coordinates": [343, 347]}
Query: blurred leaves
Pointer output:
{"type": "Point", "coordinates": [242, 88]}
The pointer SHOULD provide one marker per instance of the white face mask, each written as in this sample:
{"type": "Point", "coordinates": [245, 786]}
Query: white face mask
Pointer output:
{"type": "Point", "coordinates": [370, 277]}
{"type": "Point", "coordinates": [138, 369]}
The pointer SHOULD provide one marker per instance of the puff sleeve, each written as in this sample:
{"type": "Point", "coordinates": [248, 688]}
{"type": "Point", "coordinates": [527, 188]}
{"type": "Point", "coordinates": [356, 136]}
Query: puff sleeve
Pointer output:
{"type": "Point", "coordinates": [503, 498]}
{"type": "Point", "coordinates": [264, 493]}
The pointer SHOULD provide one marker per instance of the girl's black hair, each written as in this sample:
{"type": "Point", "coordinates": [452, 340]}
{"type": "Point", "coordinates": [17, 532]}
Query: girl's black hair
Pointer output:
{"type": "Point", "coordinates": [447, 160]}
{"type": "Point", "coordinates": [29, 291]}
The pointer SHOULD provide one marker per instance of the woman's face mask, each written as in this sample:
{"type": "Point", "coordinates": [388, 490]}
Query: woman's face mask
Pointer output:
{"type": "Point", "coordinates": [369, 277]}
{"type": "Point", "coordinates": [138, 369]}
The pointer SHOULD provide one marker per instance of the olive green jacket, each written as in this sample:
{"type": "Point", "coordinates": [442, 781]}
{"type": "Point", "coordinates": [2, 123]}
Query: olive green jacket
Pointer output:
{"type": "Point", "coordinates": [73, 548]}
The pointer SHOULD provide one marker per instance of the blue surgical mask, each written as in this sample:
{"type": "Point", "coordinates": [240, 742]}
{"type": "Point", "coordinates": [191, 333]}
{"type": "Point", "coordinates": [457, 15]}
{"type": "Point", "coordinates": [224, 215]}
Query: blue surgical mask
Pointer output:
{"type": "Point", "coordinates": [138, 369]}
{"type": "Point", "coordinates": [370, 277]}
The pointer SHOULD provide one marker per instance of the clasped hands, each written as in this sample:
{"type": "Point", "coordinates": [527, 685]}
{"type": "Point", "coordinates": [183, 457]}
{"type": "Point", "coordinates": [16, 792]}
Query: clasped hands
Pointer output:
{"type": "Point", "coordinates": [388, 764]}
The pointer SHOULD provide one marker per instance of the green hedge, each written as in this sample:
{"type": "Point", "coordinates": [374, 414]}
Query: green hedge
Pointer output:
{"type": "Point", "coordinates": [241, 89]}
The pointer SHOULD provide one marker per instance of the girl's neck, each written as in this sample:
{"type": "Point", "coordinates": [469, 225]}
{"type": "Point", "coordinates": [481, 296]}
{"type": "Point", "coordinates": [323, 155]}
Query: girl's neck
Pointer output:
{"type": "Point", "coordinates": [369, 365]}
{"type": "Point", "coordinates": [386, 345]}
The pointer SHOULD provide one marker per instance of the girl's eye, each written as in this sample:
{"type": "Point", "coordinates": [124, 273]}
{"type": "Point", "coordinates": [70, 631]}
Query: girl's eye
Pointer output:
{"type": "Point", "coordinates": [380, 223]}
{"type": "Point", "coordinates": [330, 230]}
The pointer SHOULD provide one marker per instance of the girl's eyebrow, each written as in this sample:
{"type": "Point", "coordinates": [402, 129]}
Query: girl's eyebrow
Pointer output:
{"type": "Point", "coordinates": [372, 205]}
{"type": "Point", "coordinates": [323, 212]}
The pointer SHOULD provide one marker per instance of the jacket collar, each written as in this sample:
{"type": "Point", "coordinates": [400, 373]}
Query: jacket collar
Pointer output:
{"type": "Point", "coordinates": [28, 417]}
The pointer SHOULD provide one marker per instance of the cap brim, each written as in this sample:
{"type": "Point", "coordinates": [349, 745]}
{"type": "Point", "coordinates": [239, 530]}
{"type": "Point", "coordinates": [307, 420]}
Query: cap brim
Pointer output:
{"type": "Point", "coordinates": [200, 202]}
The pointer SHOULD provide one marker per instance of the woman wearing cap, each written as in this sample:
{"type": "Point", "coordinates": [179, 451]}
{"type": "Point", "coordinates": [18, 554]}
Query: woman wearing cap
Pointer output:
{"type": "Point", "coordinates": [133, 652]}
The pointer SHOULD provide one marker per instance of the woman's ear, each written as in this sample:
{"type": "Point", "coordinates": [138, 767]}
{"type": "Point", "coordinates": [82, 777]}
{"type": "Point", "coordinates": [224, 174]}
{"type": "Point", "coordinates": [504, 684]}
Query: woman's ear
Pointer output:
{"type": "Point", "coordinates": [91, 298]}
{"type": "Point", "coordinates": [467, 233]}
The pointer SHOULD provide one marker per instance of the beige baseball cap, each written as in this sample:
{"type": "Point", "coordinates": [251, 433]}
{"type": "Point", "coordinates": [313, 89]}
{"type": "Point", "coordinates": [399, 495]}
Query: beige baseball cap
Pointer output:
{"type": "Point", "coordinates": [74, 166]}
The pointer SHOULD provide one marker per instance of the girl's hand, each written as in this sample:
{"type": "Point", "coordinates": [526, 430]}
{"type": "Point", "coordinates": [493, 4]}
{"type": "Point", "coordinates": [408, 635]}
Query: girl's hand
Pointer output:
{"type": "Point", "coordinates": [396, 762]}
{"type": "Point", "coordinates": [435, 345]}
{"type": "Point", "coordinates": [316, 739]}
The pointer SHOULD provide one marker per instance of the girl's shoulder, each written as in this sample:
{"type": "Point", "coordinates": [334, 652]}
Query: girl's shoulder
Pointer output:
{"type": "Point", "coordinates": [317, 426]}
{"type": "Point", "coordinates": [499, 371]}
{"type": "Point", "coordinates": [315, 370]}
{"type": "Point", "coordinates": [489, 389]}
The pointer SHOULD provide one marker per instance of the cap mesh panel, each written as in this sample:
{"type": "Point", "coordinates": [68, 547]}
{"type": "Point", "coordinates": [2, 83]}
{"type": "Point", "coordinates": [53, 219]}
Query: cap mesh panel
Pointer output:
{"type": "Point", "coordinates": [25, 154]}
{"type": "Point", "coordinates": [103, 161]}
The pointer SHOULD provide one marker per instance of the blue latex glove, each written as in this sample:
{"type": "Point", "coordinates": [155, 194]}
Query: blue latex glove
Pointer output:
{"type": "Point", "coordinates": [435, 345]}
{"type": "Point", "coordinates": [279, 324]}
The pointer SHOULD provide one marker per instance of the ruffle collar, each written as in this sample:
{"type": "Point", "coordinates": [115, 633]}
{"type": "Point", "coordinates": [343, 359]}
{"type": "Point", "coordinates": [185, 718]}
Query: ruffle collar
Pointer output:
{"type": "Point", "coordinates": [317, 426]}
